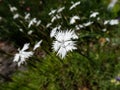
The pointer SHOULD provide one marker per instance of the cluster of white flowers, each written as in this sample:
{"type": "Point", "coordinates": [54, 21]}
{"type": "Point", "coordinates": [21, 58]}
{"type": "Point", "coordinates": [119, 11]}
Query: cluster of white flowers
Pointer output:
{"type": "Point", "coordinates": [79, 26]}
{"type": "Point", "coordinates": [13, 9]}
{"type": "Point", "coordinates": [27, 18]}
{"type": "Point", "coordinates": [55, 18]}
{"type": "Point", "coordinates": [64, 40]}
{"type": "Point", "coordinates": [31, 22]}
{"type": "Point", "coordinates": [23, 54]}
{"type": "Point", "coordinates": [53, 11]}
{"type": "Point", "coordinates": [55, 15]}
{"type": "Point", "coordinates": [34, 21]}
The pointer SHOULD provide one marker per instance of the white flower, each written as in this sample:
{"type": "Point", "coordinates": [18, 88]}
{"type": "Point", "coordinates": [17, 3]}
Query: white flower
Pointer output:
{"type": "Point", "coordinates": [32, 22]}
{"type": "Point", "coordinates": [98, 18]}
{"type": "Point", "coordinates": [73, 19]}
{"type": "Point", "coordinates": [74, 5]}
{"type": "Point", "coordinates": [48, 25]}
{"type": "Point", "coordinates": [104, 30]}
{"type": "Point", "coordinates": [55, 18]}
{"type": "Point", "coordinates": [64, 43]}
{"type": "Point", "coordinates": [16, 16]}
{"type": "Point", "coordinates": [114, 22]}
{"type": "Point", "coordinates": [106, 22]}
{"type": "Point", "coordinates": [79, 27]}
{"type": "Point", "coordinates": [54, 31]}
{"type": "Point", "coordinates": [112, 4]}
{"type": "Point", "coordinates": [88, 23]}
{"type": "Point", "coordinates": [107, 39]}
{"type": "Point", "coordinates": [94, 14]}
{"type": "Point", "coordinates": [0, 18]}
{"type": "Point", "coordinates": [21, 57]}
{"type": "Point", "coordinates": [27, 16]}
{"type": "Point", "coordinates": [37, 45]}
{"type": "Point", "coordinates": [38, 23]}
{"type": "Point", "coordinates": [60, 9]}
{"type": "Point", "coordinates": [12, 9]}
{"type": "Point", "coordinates": [21, 29]}
{"type": "Point", "coordinates": [30, 32]}
{"type": "Point", "coordinates": [52, 12]}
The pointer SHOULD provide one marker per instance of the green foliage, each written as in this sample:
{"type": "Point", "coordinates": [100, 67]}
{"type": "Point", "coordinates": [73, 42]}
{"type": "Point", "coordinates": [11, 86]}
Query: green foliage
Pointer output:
{"type": "Point", "coordinates": [74, 72]}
